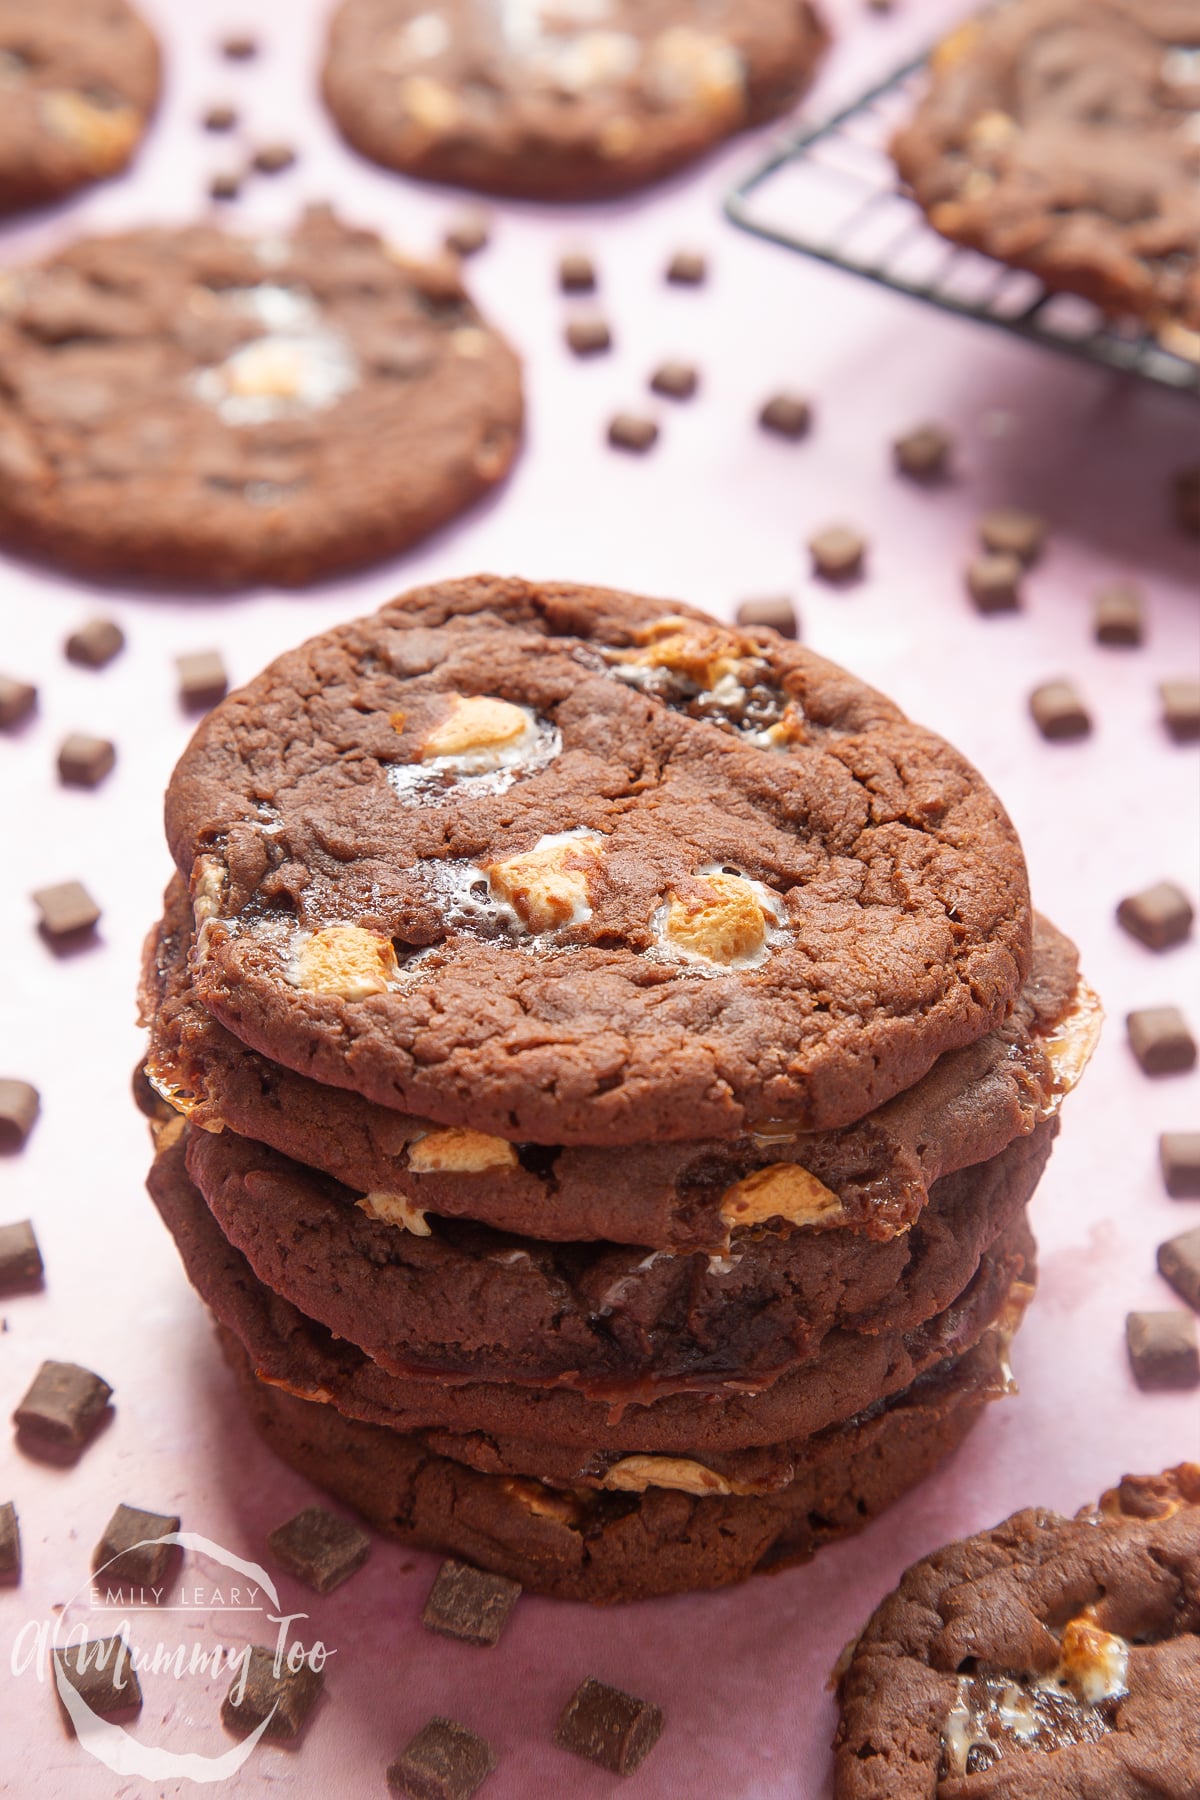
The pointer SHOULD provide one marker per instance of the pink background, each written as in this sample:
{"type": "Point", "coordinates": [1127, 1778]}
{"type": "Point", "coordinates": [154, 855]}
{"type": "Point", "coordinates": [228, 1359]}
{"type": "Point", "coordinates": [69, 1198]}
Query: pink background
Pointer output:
{"type": "Point", "coordinates": [716, 512]}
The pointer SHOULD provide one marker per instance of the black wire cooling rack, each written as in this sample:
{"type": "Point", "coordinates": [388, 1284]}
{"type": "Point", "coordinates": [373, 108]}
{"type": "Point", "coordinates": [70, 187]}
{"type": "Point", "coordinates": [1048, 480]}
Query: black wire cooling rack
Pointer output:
{"type": "Point", "coordinates": [831, 192]}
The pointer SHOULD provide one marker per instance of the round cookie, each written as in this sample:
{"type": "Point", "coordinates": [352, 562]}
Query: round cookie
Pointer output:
{"type": "Point", "coordinates": [1059, 136]}
{"type": "Point", "coordinates": [190, 407]}
{"type": "Point", "coordinates": [570, 866]}
{"type": "Point", "coordinates": [1048, 1659]}
{"type": "Point", "coordinates": [78, 82]}
{"type": "Point", "coordinates": [560, 99]}
{"type": "Point", "coordinates": [873, 1176]}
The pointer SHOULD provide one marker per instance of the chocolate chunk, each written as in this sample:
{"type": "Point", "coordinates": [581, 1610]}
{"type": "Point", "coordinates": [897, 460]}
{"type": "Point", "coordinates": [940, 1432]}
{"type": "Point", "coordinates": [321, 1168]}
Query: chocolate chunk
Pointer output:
{"type": "Point", "coordinates": [1179, 1157]}
{"type": "Point", "coordinates": [576, 273]}
{"type": "Point", "coordinates": [257, 1692]}
{"type": "Point", "coordinates": [1010, 532]}
{"type": "Point", "coordinates": [776, 610]}
{"type": "Point", "coordinates": [837, 553]}
{"type": "Point", "coordinates": [1179, 1263]}
{"type": "Point", "coordinates": [1185, 493]}
{"type": "Point", "coordinates": [631, 431]}
{"type": "Point", "coordinates": [10, 1545]}
{"type": "Point", "coordinates": [131, 1553]}
{"type": "Point", "coordinates": [923, 454]}
{"type": "Point", "coordinates": [609, 1727]}
{"type": "Point", "coordinates": [1159, 916]}
{"type": "Point", "coordinates": [20, 1103]}
{"type": "Point", "coordinates": [220, 118]}
{"type": "Point", "coordinates": [444, 1761]}
{"type": "Point", "coordinates": [1160, 1039]}
{"type": "Point", "coordinates": [202, 679]}
{"type": "Point", "coordinates": [18, 699]}
{"type": "Point", "coordinates": [102, 1673]}
{"type": "Point", "coordinates": [468, 234]}
{"type": "Point", "coordinates": [68, 912]}
{"type": "Point", "coordinates": [84, 761]}
{"type": "Point", "coordinates": [273, 159]}
{"type": "Point", "coordinates": [469, 1604]}
{"type": "Point", "coordinates": [1120, 615]}
{"type": "Point", "coordinates": [95, 643]}
{"type": "Point", "coordinates": [687, 268]}
{"type": "Point", "coordinates": [1163, 1351]}
{"type": "Point", "coordinates": [239, 46]}
{"type": "Point", "coordinates": [319, 1548]}
{"type": "Point", "coordinates": [677, 380]}
{"type": "Point", "coordinates": [20, 1258]}
{"type": "Point", "coordinates": [1181, 709]}
{"type": "Point", "coordinates": [1058, 712]}
{"type": "Point", "coordinates": [588, 335]}
{"type": "Point", "coordinates": [226, 186]}
{"type": "Point", "coordinates": [786, 415]}
{"type": "Point", "coordinates": [994, 583]}
{"type": "Point", "coordinates": [63, 1406]}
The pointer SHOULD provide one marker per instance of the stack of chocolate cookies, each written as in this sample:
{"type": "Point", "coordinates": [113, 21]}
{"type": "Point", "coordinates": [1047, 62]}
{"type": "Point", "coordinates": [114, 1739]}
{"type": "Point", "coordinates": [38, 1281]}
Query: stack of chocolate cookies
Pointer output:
{"type": "Point", "coordinates": [602, 1060]}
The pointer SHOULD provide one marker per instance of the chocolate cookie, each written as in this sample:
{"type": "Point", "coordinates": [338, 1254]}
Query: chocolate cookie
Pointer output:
{"type": "Point", "coordinates": [191, 407]}
{"type": "Point", "coordinates": [560, 99]}
{"type": "Point", "coordinates": [569, 866]}
{"type": "Point", "coordinates": [78, 82]}
{"type": "Point", "coordinates": [1049, 1657]}
{"type": "Point", "coordinates": [1060, 136]}
{"type": "Point", "coordinates": [873, 1176]}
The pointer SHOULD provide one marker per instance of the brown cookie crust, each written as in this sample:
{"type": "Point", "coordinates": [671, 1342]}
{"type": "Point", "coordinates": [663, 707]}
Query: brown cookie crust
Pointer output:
{"type": "Point", "coordinates": [1058, 135]}
{"type": "Point", "coordinates": [490, 97]}
{"type": "Point", "coordinates": [79, 80]}
{"type": "Point", "coordinates": [1016, 1611]}
{"type": "Point", "coordinates": [883, 878]}
{"type": "Point", "coordinates": [191, 407]}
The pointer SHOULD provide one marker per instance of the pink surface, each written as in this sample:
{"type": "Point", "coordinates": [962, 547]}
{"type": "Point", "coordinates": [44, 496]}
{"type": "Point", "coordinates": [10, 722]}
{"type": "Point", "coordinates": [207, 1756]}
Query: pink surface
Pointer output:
{"type": "Point", "coordinates": [716, 512]}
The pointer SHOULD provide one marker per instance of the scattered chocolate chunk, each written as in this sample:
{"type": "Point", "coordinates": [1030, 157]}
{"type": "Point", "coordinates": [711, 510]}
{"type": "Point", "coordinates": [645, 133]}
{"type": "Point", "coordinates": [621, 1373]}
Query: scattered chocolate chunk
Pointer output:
{"type": "Point", "coordinates": [68, 912]}
{"type": "Point", "coordinates": [469, 1604]}
{"type": "Point", "coordinates": [444, 1761]}
{"type": "Point", "coordinates": [20, 1259]}
{"type": "Point", "coordinates": [1179, 1158]}
{"type": "Point", "coordinates": [84, 761]}
{"type": "Point", "coordinates": [1120, 614]}
{"type": "Point", "coordinates": [994, 583]}
{"type": "Point", "coordinates": [239, 46]}
{"type": "Point", "coordinates": [776, 610]}
{"type": "Point", "coordinates": [837, 553]}
{"type": "Point", "coordinates": [95, 643]}
{"type": "Point", "coordinates": [1163, 1351]}
{"type": "Point", "coordinates": [786, 415]}
{"type": "Point", "coordinates": [576, 273]}
{"type": "Point", "coordinates": [677, 380]}
{"type": "Point", "coordinates": [687, 268]}
{"type": "Point", "coordinates": [220, 118]}
{"type": "Point", "coordinates": [609, 1727]}
{"type": "Point", "coordinates": [202, 679]}
{"type": "Point", "coordinates": [273, 159]}
{"type": "Point", "coordinates": [257, 1692]}
{"type": "Point", "coordinates": [226, 186]}
{"type": "Point", "coordinates": [1179, 1263]}
{"type": "Point", "coordinates": [1010, 532]}
{"type": "Point", "coordinates": [20, 1103]}
{"type": "Point", "coordinates": [1159, 916]}
{"type": "Point", "coordinates": [319, 1548]}
{"type": "Point", "coordinates": [132, 1552]}
{"type": "Point", "coordinates": [880, 6]}
{"type": "Point", "coordinates": [1181, 709]}
{"type": "Point", "coordinates": [63, 1406]}
{"type": "Point", "coordinates": [923, 454]}
{"type": "Point", "coordinates": [1160, 1039]}
{"type": "Point", "coordinates": [102, 1673]}
{"type": "Point", "coordinates": [631, 431]}
{"type": "Point", "coordinates": [10, 1545]}
{"type": "Point", "coordinates": [18, 699]}
{"type": "Point", "coordinates": [468, 234]}
{"type": "Point", "coordinates": [1058, 712]}
{"type": "Point", "coordinates": [1186, 495]}
{"type": "Point", "coordinates": [588, 335]}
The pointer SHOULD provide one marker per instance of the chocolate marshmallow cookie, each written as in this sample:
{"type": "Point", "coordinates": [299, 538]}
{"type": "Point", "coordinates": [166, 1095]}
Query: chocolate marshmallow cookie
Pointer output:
{"type": "Point", "coordinates": [1063, 136]}
{"type": "Point", "coordinates": [78, 82]}
{"type": "Point", "coordinates": [560, 99]}
{"type": "Point", "coordinates": [568, 866]}
{"type": "Point", "coordinates": [1050, 1657]}
{"type": "Point", "coordinates": [189, 407]}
